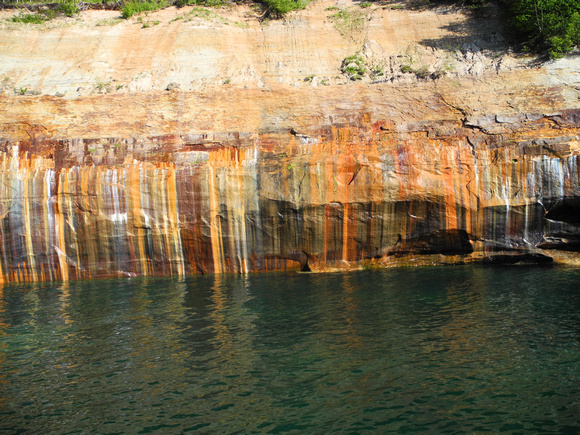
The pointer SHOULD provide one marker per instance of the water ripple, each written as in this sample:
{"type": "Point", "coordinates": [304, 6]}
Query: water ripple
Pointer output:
{"type": "Point", "coordinates": [450, 350]}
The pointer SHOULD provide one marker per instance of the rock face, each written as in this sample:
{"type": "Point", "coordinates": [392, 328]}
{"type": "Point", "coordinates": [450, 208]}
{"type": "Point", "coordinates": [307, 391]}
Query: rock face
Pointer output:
{"type": "Point", "coordinates": [235, 178]}
{"type": "Point", "coordinates": [196, 49]}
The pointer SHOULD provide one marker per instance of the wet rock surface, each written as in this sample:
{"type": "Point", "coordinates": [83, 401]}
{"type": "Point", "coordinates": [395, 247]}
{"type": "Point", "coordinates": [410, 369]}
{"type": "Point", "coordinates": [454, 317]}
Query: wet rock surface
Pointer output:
{"type": "Point", "coordinates": [364, 195]}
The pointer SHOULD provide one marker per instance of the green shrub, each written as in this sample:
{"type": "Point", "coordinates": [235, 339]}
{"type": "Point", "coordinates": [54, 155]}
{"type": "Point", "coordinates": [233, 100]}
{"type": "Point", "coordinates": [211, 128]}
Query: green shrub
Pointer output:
{"type": "Point", "coordinates": [282, 7]}
{"type": "Point", "coordinates": [133, 7]}
{"type": "Point", "coordinates": [38, 18]}
{"type": "Point", "coordinates": [70, 8]}
{"type": "Point", "coordinates": [548, 26]}
{"type": "Point", "coordinates": [551, 26]}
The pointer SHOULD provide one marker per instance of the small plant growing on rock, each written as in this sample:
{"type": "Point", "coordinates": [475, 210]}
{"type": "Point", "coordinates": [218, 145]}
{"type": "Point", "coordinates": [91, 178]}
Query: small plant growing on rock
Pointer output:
{"type": "Point", "coordinates": [377, 71]}
{"type": "Point", "coordinates": [438, 73]}
{"type": "Point", "coordinates": [422, 72]}
{"type": "Point", "coordinates": [108, 22]}
{"type": "Point", "coordinates": [206, 14]}
{"type": "Point", "coordinates": [103, 86]}
{"type": "Point", "coordinates": [5, 85]}
{"type": "Point", "coordinates": [148, 24]}
{"type": "Point", "coordinates": [348, 22]}
{"type": "Point", "coordinates": [354, 67]}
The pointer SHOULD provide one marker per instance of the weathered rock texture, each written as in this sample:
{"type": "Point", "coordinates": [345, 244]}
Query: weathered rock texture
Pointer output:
{"type": "Point", "coordinates": [239, 178]}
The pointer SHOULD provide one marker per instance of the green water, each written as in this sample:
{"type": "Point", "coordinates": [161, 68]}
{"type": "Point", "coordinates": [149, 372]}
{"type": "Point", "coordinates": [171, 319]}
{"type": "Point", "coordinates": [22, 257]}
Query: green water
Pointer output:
{"type": "Point", "coordinates": [433, 350]}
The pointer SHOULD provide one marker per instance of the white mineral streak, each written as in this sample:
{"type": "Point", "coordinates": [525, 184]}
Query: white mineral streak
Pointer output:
{"type": "Point", "coordinates": [60, 246]}
{"type": "Point", "coordinates": [215, 221]}
{"type": "Point", "coordinates": [49, 213]}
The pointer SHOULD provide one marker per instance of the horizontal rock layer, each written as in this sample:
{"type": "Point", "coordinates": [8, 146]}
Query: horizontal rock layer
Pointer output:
{"type": "Point", "coordinates": [195, 48]}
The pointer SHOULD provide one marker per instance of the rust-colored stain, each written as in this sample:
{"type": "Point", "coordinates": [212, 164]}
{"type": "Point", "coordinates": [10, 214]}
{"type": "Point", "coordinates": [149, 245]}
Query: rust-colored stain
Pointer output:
{"type": "Point", "coordinates": [350, 197]}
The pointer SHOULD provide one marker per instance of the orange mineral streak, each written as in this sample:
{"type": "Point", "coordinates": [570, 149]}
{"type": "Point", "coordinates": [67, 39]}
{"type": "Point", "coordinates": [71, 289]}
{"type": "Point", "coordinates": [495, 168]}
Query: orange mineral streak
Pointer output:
{"type": "Point", "coordinates": [60, 226]}
{"type": "Point", "coordinates": [339, 197]}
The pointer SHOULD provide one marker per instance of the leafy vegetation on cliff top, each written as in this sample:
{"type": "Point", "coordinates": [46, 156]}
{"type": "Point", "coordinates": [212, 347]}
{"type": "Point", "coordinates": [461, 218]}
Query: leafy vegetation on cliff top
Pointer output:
{"type": "Point", "coordinates": [545, 26]}
{"type": "Point", "coordinates": [133, 7]}
{"type": "Point", "coordinates": [128, 8]}
{"type": "Point", "coordinates": [552, 26]}
{"type": "Point", "coordinates": [281, 7]}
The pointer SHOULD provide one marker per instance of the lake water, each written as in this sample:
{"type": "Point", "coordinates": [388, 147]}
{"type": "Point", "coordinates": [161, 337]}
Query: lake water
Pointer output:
{"type": "Point", "coordinates": [437, 350]}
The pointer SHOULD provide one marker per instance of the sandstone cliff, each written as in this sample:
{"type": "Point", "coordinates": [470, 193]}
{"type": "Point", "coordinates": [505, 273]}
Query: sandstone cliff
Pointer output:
{"type": "Point", "coordinates": [201, 141]}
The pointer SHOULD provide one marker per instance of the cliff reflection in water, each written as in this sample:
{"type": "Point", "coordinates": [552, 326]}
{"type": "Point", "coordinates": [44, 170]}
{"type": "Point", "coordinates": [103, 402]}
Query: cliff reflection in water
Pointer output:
{"type": "Point", "coordinates": [353, 197]}
{"type": "Point", "coordinates": [456, 349]}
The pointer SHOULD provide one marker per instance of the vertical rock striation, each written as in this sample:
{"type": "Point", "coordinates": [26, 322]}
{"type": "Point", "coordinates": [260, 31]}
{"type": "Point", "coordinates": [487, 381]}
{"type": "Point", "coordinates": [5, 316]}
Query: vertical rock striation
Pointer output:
{"type": "Point", "coordinates": [351, 196]}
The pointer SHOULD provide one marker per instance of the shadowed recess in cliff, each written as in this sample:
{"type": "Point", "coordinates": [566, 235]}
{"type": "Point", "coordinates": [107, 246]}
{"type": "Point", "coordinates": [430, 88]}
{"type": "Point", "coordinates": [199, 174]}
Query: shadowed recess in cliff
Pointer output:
{"type": "Point", "coordinates": [446, 242]}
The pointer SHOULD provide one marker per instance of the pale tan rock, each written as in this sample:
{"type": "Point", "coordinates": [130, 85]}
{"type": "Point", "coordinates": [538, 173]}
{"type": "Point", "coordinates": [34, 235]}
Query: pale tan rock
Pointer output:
{"type": "Point", "coordinates": [199, 48]}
